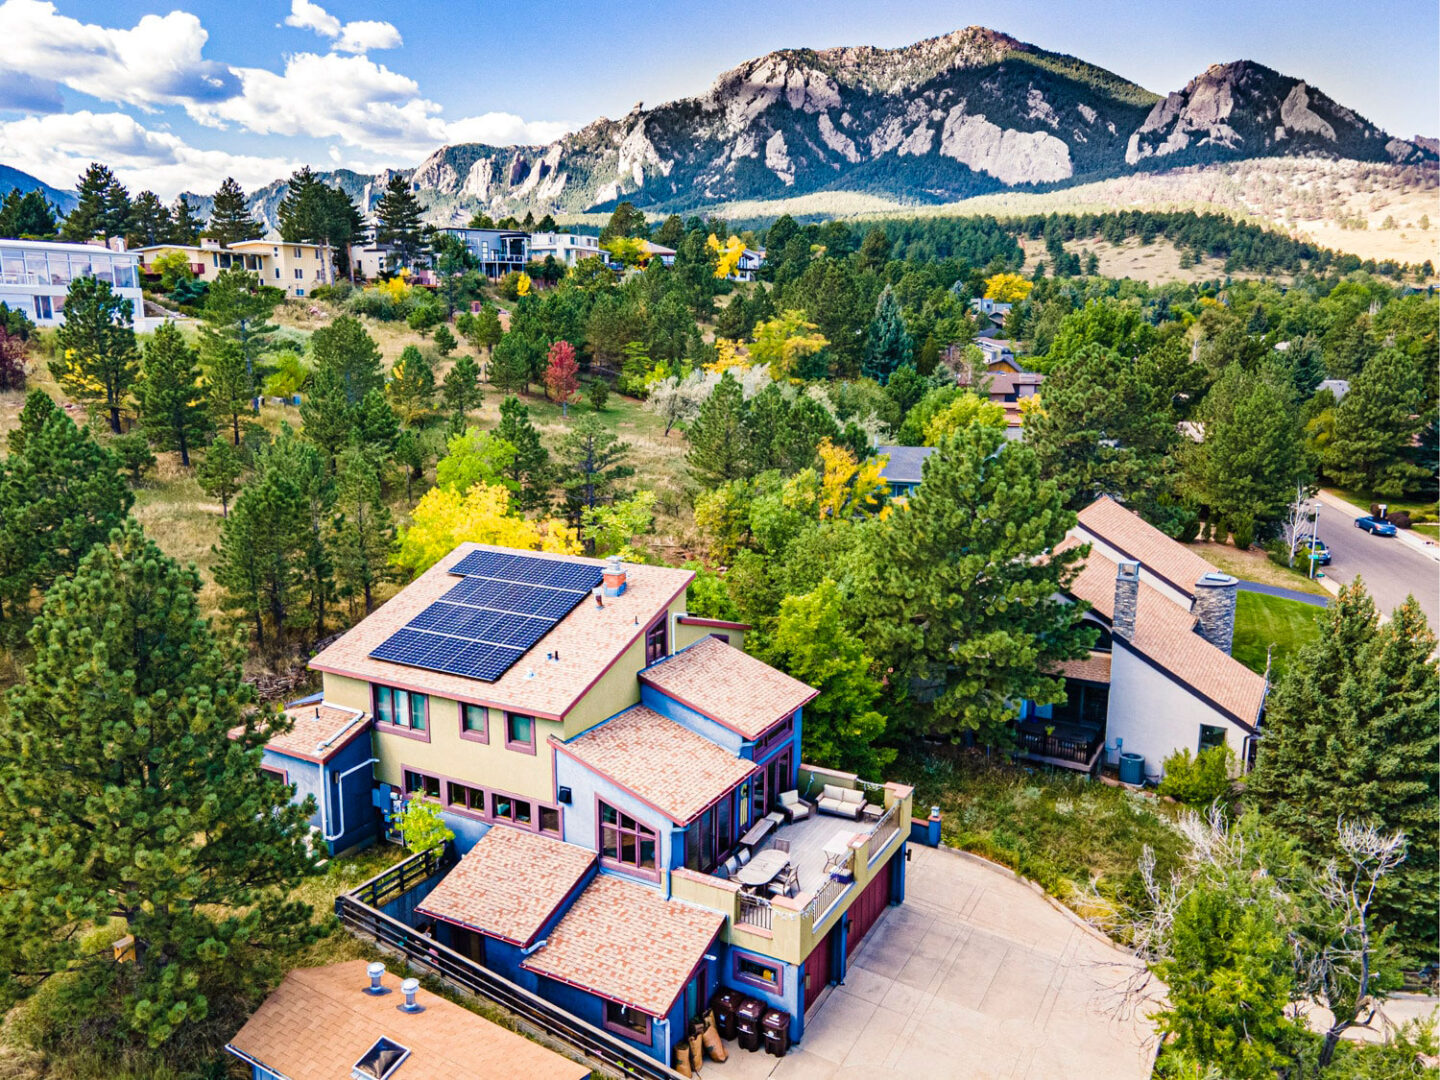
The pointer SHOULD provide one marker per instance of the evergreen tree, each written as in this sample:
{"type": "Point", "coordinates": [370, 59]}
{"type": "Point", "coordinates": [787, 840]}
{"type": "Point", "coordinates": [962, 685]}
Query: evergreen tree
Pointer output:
{"type": "Point", "coordinates": [102, 207]}
{"type": "Point", "coordinates": [172, 405]}
{"type": "Point", "coordinates": [530, 470]}
{"type": "Point", "coordinates": [219, 473]}
{"type": "Point", "coordinates": [593, 461]}
{"type": "Point", "coordinates": [228, 385]}
{"type": "Point", "coordinates": [325, 414]}
{"type": "Point", "coordinates": [363, 536]}
{"type": "Point", "coordinates": [461, 391]}
{"type": "Point", "coordinates": [887, 344]}
{"type": "Point", "coordinates": [147, 803]}
{"type": "Point", "coordinates": [313, 212]}
{"type": "Point", "coordinates": [625, 221]}
{"type": "Point", "coordinates": [958, 595]}
{"type": "Point", "coordinates": [27, 216]}
{"type": "Point", "coordinates": [230, 220]}
{"type": "Point", "coordinates": [377, 428]}
{"type": "Point", "coordinates": [149, 221]}
{"type": "Point", "coordinates": [60, 494]}
{"type": "Point", "coordinates": [184, 225]}
{"type": "Point", "coordinates": [485, 332]}
{"type": "Point", "coordinates": [511, 364]}
{"type": "Point", "coordinates": [397, 223]}
{"type": "Point", "coordinates": [1374, 426]}
{"type": "Point", "coordinates": [345, 348]}
{"type": "Point", "coordinates": [302, 465]}
{"type": "Point", "coordinates": [719, 448]}
{"type": "Point", "coordinates": [1350, 732]}
{"type": "Point", "coordinates": [412, 385]}
{"type": "Point", "coordinates": [98, 359]}
{"type": "Point", "coordinates": [236, 313]}
{"type": "Point", "coordinates": [874, 250]}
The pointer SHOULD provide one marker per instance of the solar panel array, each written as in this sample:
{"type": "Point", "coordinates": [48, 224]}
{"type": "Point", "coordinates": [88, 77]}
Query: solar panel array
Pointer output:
{"type": "Point", "coordinates": [502, 606]}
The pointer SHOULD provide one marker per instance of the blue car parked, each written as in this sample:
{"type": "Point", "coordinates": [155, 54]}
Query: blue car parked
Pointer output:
{"type": "Point", "coordinates": [1375, 526]}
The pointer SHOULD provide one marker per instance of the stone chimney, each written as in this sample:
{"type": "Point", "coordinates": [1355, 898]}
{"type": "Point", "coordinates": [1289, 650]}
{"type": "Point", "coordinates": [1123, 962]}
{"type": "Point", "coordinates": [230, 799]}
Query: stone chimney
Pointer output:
{"type": "Point", "coordinates": [614, 577]}
{"type": "Point", "coordinates": [1127, 599]}
{"type": "Point", "coordinates": [1215, 608]}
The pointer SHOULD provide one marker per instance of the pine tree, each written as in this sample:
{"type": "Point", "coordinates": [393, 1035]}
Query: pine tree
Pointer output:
{"type": "Point", "coordinates": [593, 461]}
{"type": "Point", "coordinates": [345, 348]}
{"type": "Point", "coordinates": [719, 449]}
{"type": "Point", "coordinates": [235, 323]}
{"type": "Point", "coordinates": [325, 415]}
{"type": "Point", "coordinates": [363, 537]}
{"type": "Point", "coordinates": [146, 805]}
{"type": "Point", "coordinates": [149, 221]}
{"type": "Point", "coordinates": [887, 344]}
{"type": "Point", "coordinates": [412, 385]}
{"type": "Point", "coordinates": [184, 225]}
{"type": "Point", "coordinates": [102, 207]}
{"type": "Point", "coordinates": [38, 408]}
{"type": "Point", "coordinates": [230, 220]}
{"type": "Point", "coordinates": [172, 404]}
{"type": "Point", "coordinates": [625, 221]}
{"type": "Point", "coordinates": [1350, 732]}
{"type": "Point", "coordinates": [511, 363]}
{"type": "Point", "coordinates": [98, 359]}
{"type": "Point", "coordinates": [530, 471]}
{"type": "Point", "coordinates": [27, 216]}
{"type": "Point", "coordinates": [219, 473]}
{"type": "Point", "coordinates": [377, 428]}
{"type": "Point", "coordinates": [229, 386]}
{"type": "Point", "coordinates": [302, 465]}
{"type": "Point", "coordinates": [316, 213]}
{"type": "Point", "coordinates": [397, 222]}
{"type": "Point", "coordinates": [1374, 425]}
{"type": "Point", "coordinates": [461, 391]}
{"type": "Point", "coordinates": [958, 595]}
{"type": "Point", "coordinates": [486, 331]}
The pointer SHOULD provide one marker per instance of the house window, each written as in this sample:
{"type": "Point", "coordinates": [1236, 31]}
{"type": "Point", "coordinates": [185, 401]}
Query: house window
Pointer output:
{"type": "Point", "coordinates": [625, 841]}
{"type": "Point", "coordinates": [298, 253]}
{"type": "Point", "coordinates": [277, 272]}
{"type": "Point", "coordinates": [401, 708]}
{"type": "Point", "coordinates": [756, 972]}
{"type": "Point", "coordinates": [656, 641]}
{"type": "Point", "coordinates": [777, 736]}
{"type": "Point", "coordinates": [273, 775]}
{"type": "Point", "coordinates": [42, 308]}
{"type": "Point", "coordinates": [299, 292]}
{"type": "Point", "coordinates": [423, 784]}
{"type": "Point", "coordinates": [508, 808]}
{"type": "Point", "coordinates": [474, 722]}
{"type": "Point", "coordinates": [626, 1021]}
{"type": "Point", "coordinates": [520, 732]}
{"type": "Point", "coordinates": [1211, 737]}
{"type": "Point", "coordinates": [299, 274]}
{"type": "Point", "coordinates": [463, 797]}
{"type": "Point", "coordinates": [550, 820]}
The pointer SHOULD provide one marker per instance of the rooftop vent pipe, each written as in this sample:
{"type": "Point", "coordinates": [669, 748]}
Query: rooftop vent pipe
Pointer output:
{"type": "Point", "coordinates": [376, 971]}
{"type": "Point", "coordinates": [409, 988]}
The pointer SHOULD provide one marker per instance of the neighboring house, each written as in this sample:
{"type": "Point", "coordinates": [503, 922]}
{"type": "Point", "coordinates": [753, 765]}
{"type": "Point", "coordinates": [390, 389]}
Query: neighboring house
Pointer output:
{"type": "Point", "coordinates": [983, 305]}
{"type": "Point", "coordinates": [1006, 387]}
{"type": "Point", "coordinates": [331, 1022]}
{"type": "Point", "coordinates": [602, 758]}
{"type": "Point", "coordinates": [498, 251]}
{"type": "Point", "coordinates": [296, 268]}
{"type": "Point", "coordinates": [903, 468]}
{"type": "Point", "coordinates": [1161, 677]}
{"type": "Point", "coordinates": [568, 248]}
{"type": "Point", "coordinates": [999, 355]}
{"type": "Point", "coordinates": [369, 261]}
{"type": "Point", "coordinates": [748, 268]}
{"type": "Point", "coordinates": [35, 277]}
{"type": "Point", "coordinates": [659, 251]}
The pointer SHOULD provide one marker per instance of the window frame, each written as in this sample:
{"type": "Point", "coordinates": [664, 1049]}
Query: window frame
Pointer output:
{"type": "Point", "coordinates": [406, 772]}
{"type": "Point", "coordinates": [1217, 728]}
{"type": "Point", "coordinates": [657, 633]}
{"type": "Point", "coordinates": [274, 772]}
{"type": "Point", "coordinates": [624, 1030]}
{"type": "Point", "coordinates": [409, 730]}
{"type": "Point", "coordinates": [481, 734]}
{"type": "Point", "coordinates": [638, 833]}
{"type": "Point", "coordinates": [519, 746]}
{"type": "Point", "coordinates": [777, 987]}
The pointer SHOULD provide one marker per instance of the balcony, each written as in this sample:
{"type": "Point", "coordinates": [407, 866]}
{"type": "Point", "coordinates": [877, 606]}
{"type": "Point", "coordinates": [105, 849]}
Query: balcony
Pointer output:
{"type": "Point", "coordinates": [1070, 746]}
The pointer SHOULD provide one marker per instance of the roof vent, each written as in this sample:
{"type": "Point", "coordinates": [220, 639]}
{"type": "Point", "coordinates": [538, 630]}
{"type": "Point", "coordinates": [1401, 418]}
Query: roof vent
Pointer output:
{"type": "Point", "coordinates": [376, 971]}
{"type": "Point", "coordinates": [409, 988]}
{"type": "Point", "coordinates": [381, 1060]}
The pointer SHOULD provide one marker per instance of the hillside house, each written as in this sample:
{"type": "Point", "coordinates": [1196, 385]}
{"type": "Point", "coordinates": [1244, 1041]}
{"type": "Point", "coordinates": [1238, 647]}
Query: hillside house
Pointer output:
{"type": "Point", "coordinates": [666, 255]}
{"type": "Point", "coordinates": [903, 468]}
{"type": "Point", "coordinates": [748, 268]}
{"type": "Point", "coordinates": [296, 268]}
{"type": "Point", "coordinates": [568, 248]}
{"type": "Point", "coordinates": [35, 277]}
{"type": "Point", "coordinates": [625, 786]}
{"type": "Point", "coordinates": [497, 251]}
{"type": "Point", "coordinates": [1161, 677]}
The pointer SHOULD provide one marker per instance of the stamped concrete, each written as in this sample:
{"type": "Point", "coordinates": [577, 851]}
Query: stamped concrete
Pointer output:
{"type": "Point", "coordinates": [975, 976]}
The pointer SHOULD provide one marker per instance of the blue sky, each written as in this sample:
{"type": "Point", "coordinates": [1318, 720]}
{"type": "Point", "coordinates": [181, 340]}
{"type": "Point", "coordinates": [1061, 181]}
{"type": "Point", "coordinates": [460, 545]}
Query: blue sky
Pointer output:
{"type": "Point", "coordinates": [175, 94]}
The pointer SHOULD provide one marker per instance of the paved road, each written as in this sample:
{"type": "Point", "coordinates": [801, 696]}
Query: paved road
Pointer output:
{"type": "Point", "coordinates": [1392, 569]}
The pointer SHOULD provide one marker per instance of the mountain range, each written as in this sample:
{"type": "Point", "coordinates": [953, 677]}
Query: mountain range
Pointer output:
{"type": "Point", "coordinates": [965, 114]}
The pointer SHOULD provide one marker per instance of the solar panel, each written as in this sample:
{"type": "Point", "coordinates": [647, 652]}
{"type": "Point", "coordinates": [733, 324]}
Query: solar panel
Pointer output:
{"type": "Point", "coordinates": [500, 608]}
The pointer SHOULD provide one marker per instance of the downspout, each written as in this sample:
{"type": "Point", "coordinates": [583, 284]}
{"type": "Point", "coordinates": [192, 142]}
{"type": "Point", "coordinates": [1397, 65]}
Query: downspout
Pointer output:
{"type": "Point", "coordinates": [339, 792]}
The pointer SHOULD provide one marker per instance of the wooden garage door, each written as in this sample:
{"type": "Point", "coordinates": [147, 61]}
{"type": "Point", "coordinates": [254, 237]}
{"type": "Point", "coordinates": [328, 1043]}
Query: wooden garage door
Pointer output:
{"type": "Point", "coordinates": [867, 909]}
{"type": "Point", "coordinates": [817, 969]}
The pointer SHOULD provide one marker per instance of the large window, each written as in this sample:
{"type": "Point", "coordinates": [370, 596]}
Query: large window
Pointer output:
{"type": "Point", "coordinates": [756, 972]}
{"type": "Point", "coordinates": [657, 641]}
{"type": "Point", "coordinates": [520, 732]}
{"type": "Point", "coordinates": [506, 808]}
{"type": "Point", "coordinates": [402, 709]}
{"type": "Point", "coordinates": [625, 841]}
{"type": "Point", "coordinates": [464, 797]}
{"type": "Point", "coordinates": [1211, 737]}
{"type": "Point", "coordinates": [423, 784]}
{"type": "Point", "coordinates": [626, 1021]}
{"type": "Point", "coordinates": [474, 722]}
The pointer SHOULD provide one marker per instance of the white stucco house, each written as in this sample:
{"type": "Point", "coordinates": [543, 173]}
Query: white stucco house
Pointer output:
{"type": "Point", "coordinates": [35, 277]}
{"type": "Point", "coordinates": [1161, 677]}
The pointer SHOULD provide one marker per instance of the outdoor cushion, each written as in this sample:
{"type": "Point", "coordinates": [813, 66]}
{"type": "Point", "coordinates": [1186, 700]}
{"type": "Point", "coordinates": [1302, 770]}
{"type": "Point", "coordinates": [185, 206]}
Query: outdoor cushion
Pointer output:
{"type": "Point", "coordinates": [852, 795]}
{"type": "Point", "coordinates": [832, 791]}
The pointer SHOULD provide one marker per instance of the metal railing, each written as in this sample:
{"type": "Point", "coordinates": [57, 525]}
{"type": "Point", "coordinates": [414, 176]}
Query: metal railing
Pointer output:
{"type": "Point", "coordinates": [824, 898]}
{"type": "Point", "coordinates": [755, 911]}
{"type": "Point", "coordinates": [1076, 748]}
{"type": "Point", "coordinates": [361, 917]}
{"type": "Point", "coordinates": [885, 828]}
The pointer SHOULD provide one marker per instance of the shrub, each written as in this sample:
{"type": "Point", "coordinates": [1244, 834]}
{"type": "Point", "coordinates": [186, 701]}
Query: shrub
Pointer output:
{"type": "Point", "coordinates": [423, 316]}
{"type": "Point", "coordinates": [422, 827]}
{"type": "Point", "coordinates": [1200, 780]}
{"type": "Point", "coordinates": [1242, 532]}
{"type": "Point", "coordinates": [337, 293]}
{"type": "Point", "coordinates": [1401, 519]}
{"type": "Point", "coordinates": [133, 449]}
{"type": "Point", "coordinates": [598, 392]}
{"type": "Point", "coordinates": [444, 340]}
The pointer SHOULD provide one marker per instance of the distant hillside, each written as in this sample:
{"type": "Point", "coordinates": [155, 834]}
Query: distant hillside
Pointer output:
{"type": "Point", "coordinates": [63, 201]}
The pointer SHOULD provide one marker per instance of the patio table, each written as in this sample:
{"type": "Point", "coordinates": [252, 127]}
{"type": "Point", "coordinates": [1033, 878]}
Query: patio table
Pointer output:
{"type": "Point", "coordinates": [837, 848]}
{"type": "Point", "coordinates": [762, 869]}
{"type": "Point", "coordinates": [761, 829]}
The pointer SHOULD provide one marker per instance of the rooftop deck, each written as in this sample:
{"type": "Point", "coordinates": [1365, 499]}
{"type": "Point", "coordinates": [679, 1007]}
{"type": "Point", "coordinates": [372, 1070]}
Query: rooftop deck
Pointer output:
{"type": "Point", "coordinates": [807, 841]}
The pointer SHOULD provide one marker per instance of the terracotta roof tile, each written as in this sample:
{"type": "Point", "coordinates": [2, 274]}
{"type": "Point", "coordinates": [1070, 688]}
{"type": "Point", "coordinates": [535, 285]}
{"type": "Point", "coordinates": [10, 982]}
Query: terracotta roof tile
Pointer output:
{"type": "Point", "coordinates": [589, 640]}
{"type": "Point", "coordinates": [318, 1023]}
{"type": "Point", "coordinates": [1093, 668]}
{"type": "Point", "coordinates": [669, 766]}
{"type": "Point", "coordinates": [1165, 632]}
{"type": "Point", "coordinates": [509, 883]}
{"type": "Point", "coordinates": [729, 686]}
{"type": "Point", "coordinates": [628, 943]}
{"type": "Point", "coordinates": [1135, 538]}
{"type": "Point", "coordinates": [319, 731]}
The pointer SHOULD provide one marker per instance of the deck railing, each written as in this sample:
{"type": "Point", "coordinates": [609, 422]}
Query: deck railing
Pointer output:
{"type": "Point", "coordinates": [1077, 748]}
{"type": "Point", "coordinates": [824, 899]}
{"type": "Point", "coordinates": [357, 911]}
{"type": "Point", "coordinates": [755, 911]}
{"type": "Point", "coordinates": [885, 828]}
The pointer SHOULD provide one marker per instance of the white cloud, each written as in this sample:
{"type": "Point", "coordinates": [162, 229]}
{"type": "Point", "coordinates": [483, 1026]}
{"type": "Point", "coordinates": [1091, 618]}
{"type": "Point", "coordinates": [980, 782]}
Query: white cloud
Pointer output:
{"type": "Point", "coordinates": [352, 37]}
{"type": "Point", "coordinates": [156, 63]}
{"type": "Point", "coordinates": [57, 148]}
{"type": "Point", "coordinates": [504, 129]}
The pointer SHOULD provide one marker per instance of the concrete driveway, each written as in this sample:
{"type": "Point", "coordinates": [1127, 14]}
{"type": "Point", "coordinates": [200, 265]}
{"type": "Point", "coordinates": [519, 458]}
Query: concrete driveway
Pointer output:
{"type": "Point", "coordinates": [974, 976]}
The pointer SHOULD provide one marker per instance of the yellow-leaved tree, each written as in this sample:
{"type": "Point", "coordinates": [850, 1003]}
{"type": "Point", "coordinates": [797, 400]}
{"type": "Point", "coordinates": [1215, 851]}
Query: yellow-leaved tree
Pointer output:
{"type": "Point", "coordinates": [1007, 288]}
{"type": "Point", "coordinates": [728, 356]}
{"type": "Point", "coordinates": [629, 250]}
{"type": "Point", "coordinates": [727, 256]}
{"type": "Point", "coordinates": [522, 284]}
{"type": "Point", "coordinates": [784, 341]}
{"type": "Point", "coordinates": [965, 410]}
{"type": "Point", "coordinates": [843, 486]}
{"type": "Point", "coordinates": [397, 290]}
{"type": "Point", "coordinates": [445, 519]}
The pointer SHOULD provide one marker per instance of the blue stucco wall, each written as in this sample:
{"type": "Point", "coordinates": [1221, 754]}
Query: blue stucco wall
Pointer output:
{"type": "Point", "coordinates": [316, 781]}
{"type": "Point", "coordinates": [467, 830]}
{"type": "Point", "coordinates": [579, 816]}
{"type": "Point", "coordinates": [791, 997]}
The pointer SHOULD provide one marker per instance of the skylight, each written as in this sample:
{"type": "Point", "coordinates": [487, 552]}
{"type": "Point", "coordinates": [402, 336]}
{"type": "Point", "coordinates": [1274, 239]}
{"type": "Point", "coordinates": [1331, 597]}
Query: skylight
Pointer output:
{"type": "Point", "coordinates": [380, 1061]}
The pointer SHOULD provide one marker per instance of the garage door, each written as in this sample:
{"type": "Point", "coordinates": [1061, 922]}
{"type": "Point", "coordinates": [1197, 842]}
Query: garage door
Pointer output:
{"type": "Point", "coordinates": [867, 909]}
{"type": "Point", "coordinates": [817, 968]}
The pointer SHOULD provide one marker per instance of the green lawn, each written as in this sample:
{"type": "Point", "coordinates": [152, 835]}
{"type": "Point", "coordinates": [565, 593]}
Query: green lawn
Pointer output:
{"type": "Point", "coordinates": [1261, 621]}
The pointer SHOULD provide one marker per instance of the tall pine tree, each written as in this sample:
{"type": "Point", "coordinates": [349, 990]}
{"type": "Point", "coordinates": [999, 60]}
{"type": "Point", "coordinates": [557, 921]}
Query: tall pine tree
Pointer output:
{"type": "Point", "coordinates": [593, 461]}
{"type": "Point", "coordinates": [98, 359]}
{"type": "Point", "coordinates": [102, 208]}
{"type": "Point", "coordinates": [172, 401]}
{"type": "Point", "coordinates": [719, 447]}
{"type": "Point", "coordinates": [1374, 425]}
{"type": "Point", "coordinates": [530, 472]}
{"type": "Point", "coordinates": [887, 344]}
{"type": "Point", "coordinates": [363, 537]}
{"type": "Point", "coordinates": [397, 223]}
{"type": "Point", "coordinates": [230, 220]}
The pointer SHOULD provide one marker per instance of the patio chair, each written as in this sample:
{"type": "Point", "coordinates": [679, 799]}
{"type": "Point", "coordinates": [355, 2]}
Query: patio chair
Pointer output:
{"type": "Point", "coordinates": [782, 845]}
{"type": "Point", "coordinates": [743, 855]}
{"type": "Point", "coordinates": [793, 807]}
{"type": "Point", "coordinates": [731, 865]}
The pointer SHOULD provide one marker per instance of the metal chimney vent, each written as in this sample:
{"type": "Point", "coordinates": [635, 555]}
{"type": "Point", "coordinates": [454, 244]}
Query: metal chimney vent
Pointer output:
{"type": "Point", "coordinates": [409, 988]}
{"type": "Point", "coordinates": [380, 1061]}
{"type": "Point", "coordinates": [376, 971]}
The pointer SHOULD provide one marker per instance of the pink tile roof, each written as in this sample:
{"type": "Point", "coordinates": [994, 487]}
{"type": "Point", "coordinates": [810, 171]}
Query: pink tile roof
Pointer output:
{"type": "Point", "coordinates": [1135, 538]}
{"type": "Point", "coordinates": [729, 686]}
{"type": "Point", "coordinates": [588, 640]}
{"type": "Point", "coordinates": [664, 763]}
{"type": "Point", "coordinates": [318, 1023]}
{"type": "Point", "coordinates": [628, 943]}
{"type": "Point", "coordinates": [1165, 633]}
{"type": "Point", "coordinates": [1093, 668]}
{"type": "Point", "coordinates": [319, 731]}
{"type": "Point", "coordinates": [509, 883]}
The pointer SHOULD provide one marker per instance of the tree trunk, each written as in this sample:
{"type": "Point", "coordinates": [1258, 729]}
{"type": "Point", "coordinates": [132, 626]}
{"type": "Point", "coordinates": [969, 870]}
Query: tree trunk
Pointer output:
{"type": "Point", "coordinates": [184, 450]}
{"type": "Point", "coordinates": [235, 424]}
{"type": "Point", "coordinates": [115, 419]}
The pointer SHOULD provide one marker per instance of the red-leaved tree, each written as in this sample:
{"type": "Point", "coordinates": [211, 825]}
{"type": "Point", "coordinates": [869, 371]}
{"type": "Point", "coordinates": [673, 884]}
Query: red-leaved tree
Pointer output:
{"type": "Point", "coordinates": [562, 377]}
